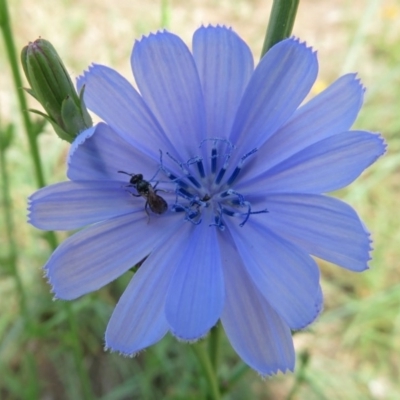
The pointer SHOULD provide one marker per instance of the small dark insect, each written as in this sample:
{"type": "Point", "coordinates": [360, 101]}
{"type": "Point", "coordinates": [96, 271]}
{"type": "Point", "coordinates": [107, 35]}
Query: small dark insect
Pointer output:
{"type": "Point", "coordinates": [153, 201]}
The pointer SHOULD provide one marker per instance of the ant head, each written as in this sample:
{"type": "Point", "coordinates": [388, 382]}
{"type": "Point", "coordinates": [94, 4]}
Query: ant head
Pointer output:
{"type": "Point", "coordinates": [136, 178]}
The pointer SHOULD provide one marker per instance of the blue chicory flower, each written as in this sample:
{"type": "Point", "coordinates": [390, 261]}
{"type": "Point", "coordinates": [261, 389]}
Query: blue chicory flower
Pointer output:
{"type": "Point", "coordinates": [242, 166]}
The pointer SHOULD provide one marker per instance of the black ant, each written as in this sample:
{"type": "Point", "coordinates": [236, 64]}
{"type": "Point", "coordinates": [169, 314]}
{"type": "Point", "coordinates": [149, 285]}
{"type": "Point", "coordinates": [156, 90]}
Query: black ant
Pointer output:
{"type": "Point", "coordinates": [155, 202]}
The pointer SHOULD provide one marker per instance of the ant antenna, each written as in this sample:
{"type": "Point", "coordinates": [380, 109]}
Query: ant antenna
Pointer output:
{"type": "Point", "coordinates": [126, 173]}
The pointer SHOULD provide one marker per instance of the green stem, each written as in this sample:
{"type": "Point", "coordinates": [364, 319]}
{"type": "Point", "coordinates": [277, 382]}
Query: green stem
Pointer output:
{"type": "Point", "coordinates": [235, 375]}
{"type": "Point", "coordinates": [29, 127]}
{"type": "Point", "coordinates": [208, 370]}
{"type": "Point", "coordinates": [213, 346]}
{"type": "Point", "coordinates": [40, 181]}
{"type": "Point", "coordinates": [33, 387]}
{"type": "Point", "coordinates": [13, 59]}
{"type": "Point", "coordinates": [301, 376]}
{"type": "Point", "coordinates": [281, 22]}
{"type": "Point", "coordinates": [78, 354]}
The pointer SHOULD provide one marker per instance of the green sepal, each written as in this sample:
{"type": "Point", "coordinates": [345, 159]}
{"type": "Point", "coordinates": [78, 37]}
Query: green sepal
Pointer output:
{"type": "Point", "coordinates": [85, 114]}
{"type": "Point", "coordinates": [24, 59]}
{"type": "Point", "coordinates": [71, 116]}
{"type": "Point", "coordinates": [60, 132]}
{"type": "Point", "coordinates": [31, 92]}
{"type": "Point", "coordinates": [53, 88]}
{"type": "Point", "coordinates": [38, 126]}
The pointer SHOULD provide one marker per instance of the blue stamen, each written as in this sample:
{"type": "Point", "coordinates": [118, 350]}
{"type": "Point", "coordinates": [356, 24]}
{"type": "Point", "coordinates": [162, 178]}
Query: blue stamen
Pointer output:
{"type": "Point", "coordinates": [185, 194]}
{"type": "Point", "coordinates": [193, 216]}
{"type": "Point", "coordinates": [251, 213]}
{"type": "Point", "coordinates": [247, 215]}
{"type": "Point", "coordinates": [234, 175]}
{"type": "Point", "coordinates": [214, 151]}
{"type": "Point", "coordinates": [218, 223]}
{"type": "Point", "coordinates": [240, 196]}
{"type": "Point", "coordinates": [169, 174]}
{"type": "Point", "coordinates": [186, 172]}
{"type": "Point", "coordinates": [223, 170]}
{"type": "Point", "coordinates": [178, 208]}
{"type": "Point", "coordinates": [228, 202]}
{"type": "Point", "coordinates": [194, 181]}
{"type": "Point", "coordinates": [190, 216]}
{"type": "Point", "coordinates": [200, 166]}
{"type": "Point", "coordinates": [239, 167]}
{"type": "Point", "coordinates": [230, 213]}
{"type": "Point", "coordinates": [220, 175]}
{"type": "Point", "coordinates": [218, 219]}
{"type": "Point", "coordinates": [214, 156]}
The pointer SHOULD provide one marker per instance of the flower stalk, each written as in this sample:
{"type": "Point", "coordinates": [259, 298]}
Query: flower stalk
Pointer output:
{"type": "Point", "coordinates": [281, 22]}
{"type": "Point", "coordinates": [13, 60]}
{"type": "Point", "coordinates": [213, 346]}
{"type": "Point", "coordinates": [208, 370]}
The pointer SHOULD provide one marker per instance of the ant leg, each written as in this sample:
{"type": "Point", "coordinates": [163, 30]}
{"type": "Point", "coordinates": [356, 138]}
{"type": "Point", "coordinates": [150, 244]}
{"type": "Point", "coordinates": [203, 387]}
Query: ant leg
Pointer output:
{"type": "Point", "coordinates": [146, 208]}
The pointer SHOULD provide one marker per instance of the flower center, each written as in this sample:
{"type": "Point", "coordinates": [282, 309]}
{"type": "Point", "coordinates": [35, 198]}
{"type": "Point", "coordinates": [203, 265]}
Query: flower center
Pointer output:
{"type": "Point", "coordinates": [201, 190]}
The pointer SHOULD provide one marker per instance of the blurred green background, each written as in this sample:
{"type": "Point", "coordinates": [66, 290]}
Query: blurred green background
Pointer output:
{"type": "Point", "coordinates": [353, 349]}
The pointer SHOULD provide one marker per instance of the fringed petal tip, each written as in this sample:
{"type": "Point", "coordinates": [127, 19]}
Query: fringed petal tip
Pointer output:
{"type": "Point", "coordinates": [29, 210]}
{"type": "Point", "coordinates": [301, 43]}
{"type": "Point", "coordinates": [30, 216]}
{"type": "Point", "coordinates": [365, 267]}
{"type": "Point", "coordinates": [152, 35]}
{"type": "Point", "coordinates": [378, 136]}
{"type": "Point", "coordinates": [122, 353]}
{"type": "Point", "coordinates": [318, 308]}
{"type": "Point", "coordinates": [382, 146]}
{"type": "Point", "coordinates": [358, 80]}
{"type": "Point", "coordinates": [317, 313]}
{"type": "Point", "coordinates": [355, 78]}
{"type": "Point", "coordinates": [52, 285]}
{"type": "Point", "coordinates": [46, 276]}
{"type": "Point", "coordinates": [159, 32]}
{"type": "Point", "coordinates": [275, 371]}
{"type": "Point", "coordinates": [216, 26]}
{"type": "Point", "coordinates": [57, 298]}
{"type": "Point", "coordinates": [52, 290]}
{"type": "Point", "coordinates": [369, 249]}
{"type": "Point", "coordinates": [188, 340]}
{"type": "Point", "coordinates": [81, 79]}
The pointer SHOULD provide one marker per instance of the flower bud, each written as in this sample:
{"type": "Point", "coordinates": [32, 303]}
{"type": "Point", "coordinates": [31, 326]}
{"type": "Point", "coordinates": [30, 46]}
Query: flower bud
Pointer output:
{"type": "Point", "coordinates": [53, 88]}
